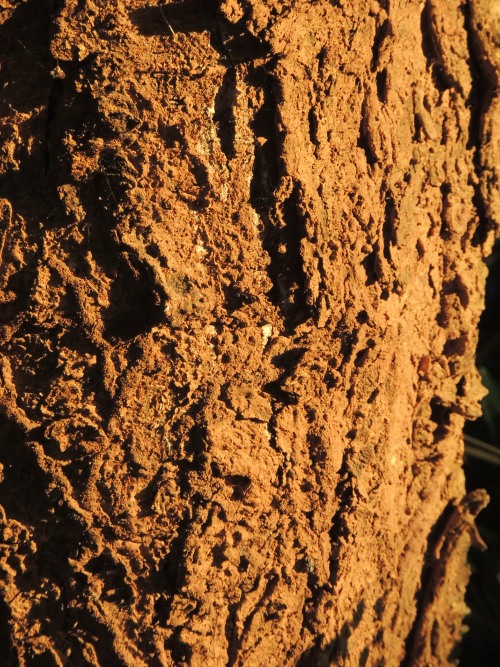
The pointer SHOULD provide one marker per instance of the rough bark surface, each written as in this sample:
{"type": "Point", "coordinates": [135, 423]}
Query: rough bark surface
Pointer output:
{"type": "Point", "coordinates": [241, 249]}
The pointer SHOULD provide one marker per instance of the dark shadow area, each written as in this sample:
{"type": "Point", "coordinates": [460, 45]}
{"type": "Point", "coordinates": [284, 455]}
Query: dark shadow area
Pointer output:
{"type": "Point", "coordinates": [225, 101]}
{"type": "Point", "coordinates": [135, 305]}
{"type": "Point", "coordinates": [23, 489]}
{"type": "Point", "coordinates": [364, 139]}
{"type": "Point", "coordinates": [181, 17]}
{"type": "Point", "coordinates": [233, 41]}
{"type": "Point", "coordinates": [7, 653]}
{"type": "Point", "coordinates": [481, 645]}
{"type": "Point", "coordinates": [26, 58]}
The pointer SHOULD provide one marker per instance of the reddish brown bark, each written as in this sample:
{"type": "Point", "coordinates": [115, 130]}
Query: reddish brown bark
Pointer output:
{"type": "Point", "coordinates": [242, 272]}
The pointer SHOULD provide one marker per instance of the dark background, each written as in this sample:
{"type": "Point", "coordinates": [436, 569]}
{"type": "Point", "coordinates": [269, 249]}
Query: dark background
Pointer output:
{"type": "Point", "coordinates": [481, 645]}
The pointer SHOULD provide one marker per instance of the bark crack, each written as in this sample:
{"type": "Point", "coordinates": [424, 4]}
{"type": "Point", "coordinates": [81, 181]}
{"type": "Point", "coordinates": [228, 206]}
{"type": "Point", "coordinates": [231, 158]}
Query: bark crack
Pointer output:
{"type": "Point", "coordinates": [224, 114]}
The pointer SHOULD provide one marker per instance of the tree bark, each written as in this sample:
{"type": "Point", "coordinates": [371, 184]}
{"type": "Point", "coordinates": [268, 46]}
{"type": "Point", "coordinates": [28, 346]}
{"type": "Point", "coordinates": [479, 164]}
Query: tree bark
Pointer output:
{"type": "Point", "coordinates": [242, 273]}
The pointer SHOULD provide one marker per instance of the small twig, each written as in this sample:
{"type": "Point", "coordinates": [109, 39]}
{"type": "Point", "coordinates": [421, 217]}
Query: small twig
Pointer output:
{"type": "Point", "coordinates": [110, 188]}
{"type": "Point", "coordinates": [31, 54]}
{"type": "Point", "coordinates": [481, 450]}
{"type": "Point", "coordinates": [172, 31]}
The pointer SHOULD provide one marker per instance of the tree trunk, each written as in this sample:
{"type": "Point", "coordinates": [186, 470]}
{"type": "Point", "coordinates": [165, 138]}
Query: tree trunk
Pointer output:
{"type": "Point", "coordinates": [242, 273]}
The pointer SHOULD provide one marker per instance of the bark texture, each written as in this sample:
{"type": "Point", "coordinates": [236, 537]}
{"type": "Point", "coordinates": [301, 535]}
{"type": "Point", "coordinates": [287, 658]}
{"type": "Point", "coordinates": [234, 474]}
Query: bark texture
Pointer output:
{"type": "Point", "coordinates": [241, 249]}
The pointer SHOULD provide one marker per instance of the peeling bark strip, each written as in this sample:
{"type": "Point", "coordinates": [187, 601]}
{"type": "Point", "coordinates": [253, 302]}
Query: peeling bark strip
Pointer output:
{"type": "Point", "coordinates": [241, 248]}
{"type": "Point", "coordinates": [446, 552]}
